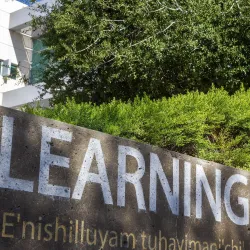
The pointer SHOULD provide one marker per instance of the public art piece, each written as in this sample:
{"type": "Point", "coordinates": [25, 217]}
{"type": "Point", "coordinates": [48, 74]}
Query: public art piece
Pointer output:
{"type": "Point", "coordinates": [67, 187]}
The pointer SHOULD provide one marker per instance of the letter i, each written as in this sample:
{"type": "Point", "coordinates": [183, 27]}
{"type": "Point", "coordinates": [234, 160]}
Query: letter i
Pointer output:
{"type": "Point", "coordinates": [185, 242]}
{"type": "Point", "coordinates": [39, 229]}
{"type": "Point", "coordinates": [187, 189]}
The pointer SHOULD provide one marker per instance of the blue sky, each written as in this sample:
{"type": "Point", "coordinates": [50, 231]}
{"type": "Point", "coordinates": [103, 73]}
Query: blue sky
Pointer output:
{"type": "Point", "coordinates": [24, 1]}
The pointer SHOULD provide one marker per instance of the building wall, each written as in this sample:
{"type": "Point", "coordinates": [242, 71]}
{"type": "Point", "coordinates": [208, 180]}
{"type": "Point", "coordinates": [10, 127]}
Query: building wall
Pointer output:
{"type": "Point", "coordinates": [27, 95]}
{"type": "Point", "coordinates": [12, 46]}
{"type": "Point", "coordinates": [16, 45]}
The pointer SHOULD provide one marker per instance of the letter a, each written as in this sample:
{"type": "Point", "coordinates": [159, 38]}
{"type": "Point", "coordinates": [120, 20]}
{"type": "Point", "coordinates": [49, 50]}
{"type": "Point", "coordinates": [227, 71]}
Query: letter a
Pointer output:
{"type": "Point", "coordinates": [94, 149]}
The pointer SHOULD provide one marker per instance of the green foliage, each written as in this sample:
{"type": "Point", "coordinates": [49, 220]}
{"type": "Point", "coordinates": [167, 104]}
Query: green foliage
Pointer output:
{"type": "Point", "coordinates": [98, 50]}
{"type": "Point", "coordinates": [213, 126]}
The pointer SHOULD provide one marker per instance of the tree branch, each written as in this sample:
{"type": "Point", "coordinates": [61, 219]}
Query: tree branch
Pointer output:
{"type": "Point", "coordinates": [165, 7]}
{"type": "Point", "coordinates": [110, 20]}
{"type": "Point", "coordinates": [79, 51]}
{"type": "Point", "coordinates": [159, 32]}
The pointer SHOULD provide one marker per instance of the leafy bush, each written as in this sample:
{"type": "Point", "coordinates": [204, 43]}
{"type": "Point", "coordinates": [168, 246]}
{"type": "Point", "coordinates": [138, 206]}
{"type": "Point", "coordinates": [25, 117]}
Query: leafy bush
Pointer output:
{"type": "Point", "coordinates": [213, 126]}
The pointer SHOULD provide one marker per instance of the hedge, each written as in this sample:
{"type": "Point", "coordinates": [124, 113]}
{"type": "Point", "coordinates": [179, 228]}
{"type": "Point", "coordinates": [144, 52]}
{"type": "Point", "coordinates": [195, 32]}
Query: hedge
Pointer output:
{"type": "Point", "coordinates": [213, 126]}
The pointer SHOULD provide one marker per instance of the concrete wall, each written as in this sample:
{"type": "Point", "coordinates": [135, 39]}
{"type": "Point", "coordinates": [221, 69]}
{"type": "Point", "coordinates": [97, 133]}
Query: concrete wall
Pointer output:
{"type": "Point", "coordinates": [10, 6]}
{"type": "Point", "coordinates": [18, 97]}
{"type": "Point", "coordinates": [82, 189]}
{"type": "Point", "coordinates": [21, 18]}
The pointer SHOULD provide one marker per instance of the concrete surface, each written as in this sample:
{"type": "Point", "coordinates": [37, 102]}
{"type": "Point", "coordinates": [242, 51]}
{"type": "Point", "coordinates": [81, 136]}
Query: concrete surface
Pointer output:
{"type": "Point", "coordinates": [66, 187]}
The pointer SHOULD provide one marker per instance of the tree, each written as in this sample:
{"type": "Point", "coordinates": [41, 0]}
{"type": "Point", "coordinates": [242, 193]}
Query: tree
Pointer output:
{"type": "Point", "coordinates": [100, 49]}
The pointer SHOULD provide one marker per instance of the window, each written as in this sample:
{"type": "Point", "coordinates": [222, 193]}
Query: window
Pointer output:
{"type": "Point", "coordinates": [38, 62]}
{"type": "Point", "coordinates": [8, 69]}
{"type": "Point", "coordinates": [3, 67]}
{"type": "Point", "coordinates": [13, 71]}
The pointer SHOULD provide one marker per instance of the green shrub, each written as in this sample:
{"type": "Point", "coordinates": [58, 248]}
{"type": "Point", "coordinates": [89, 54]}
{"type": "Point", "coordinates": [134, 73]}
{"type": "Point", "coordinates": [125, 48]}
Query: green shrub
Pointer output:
{"type": "Point", "coordinates": [213, 126]}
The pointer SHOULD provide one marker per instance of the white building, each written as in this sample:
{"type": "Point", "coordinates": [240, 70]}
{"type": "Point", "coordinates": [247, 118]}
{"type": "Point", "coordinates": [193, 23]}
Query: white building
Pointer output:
{"type": "Point", "coordinates": [17, 45]}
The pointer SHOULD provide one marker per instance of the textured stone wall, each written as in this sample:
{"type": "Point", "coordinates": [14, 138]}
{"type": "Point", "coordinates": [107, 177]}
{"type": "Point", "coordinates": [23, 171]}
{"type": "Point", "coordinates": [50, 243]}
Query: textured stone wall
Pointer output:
{"type": "Point", "coordinates": [66, 187]}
